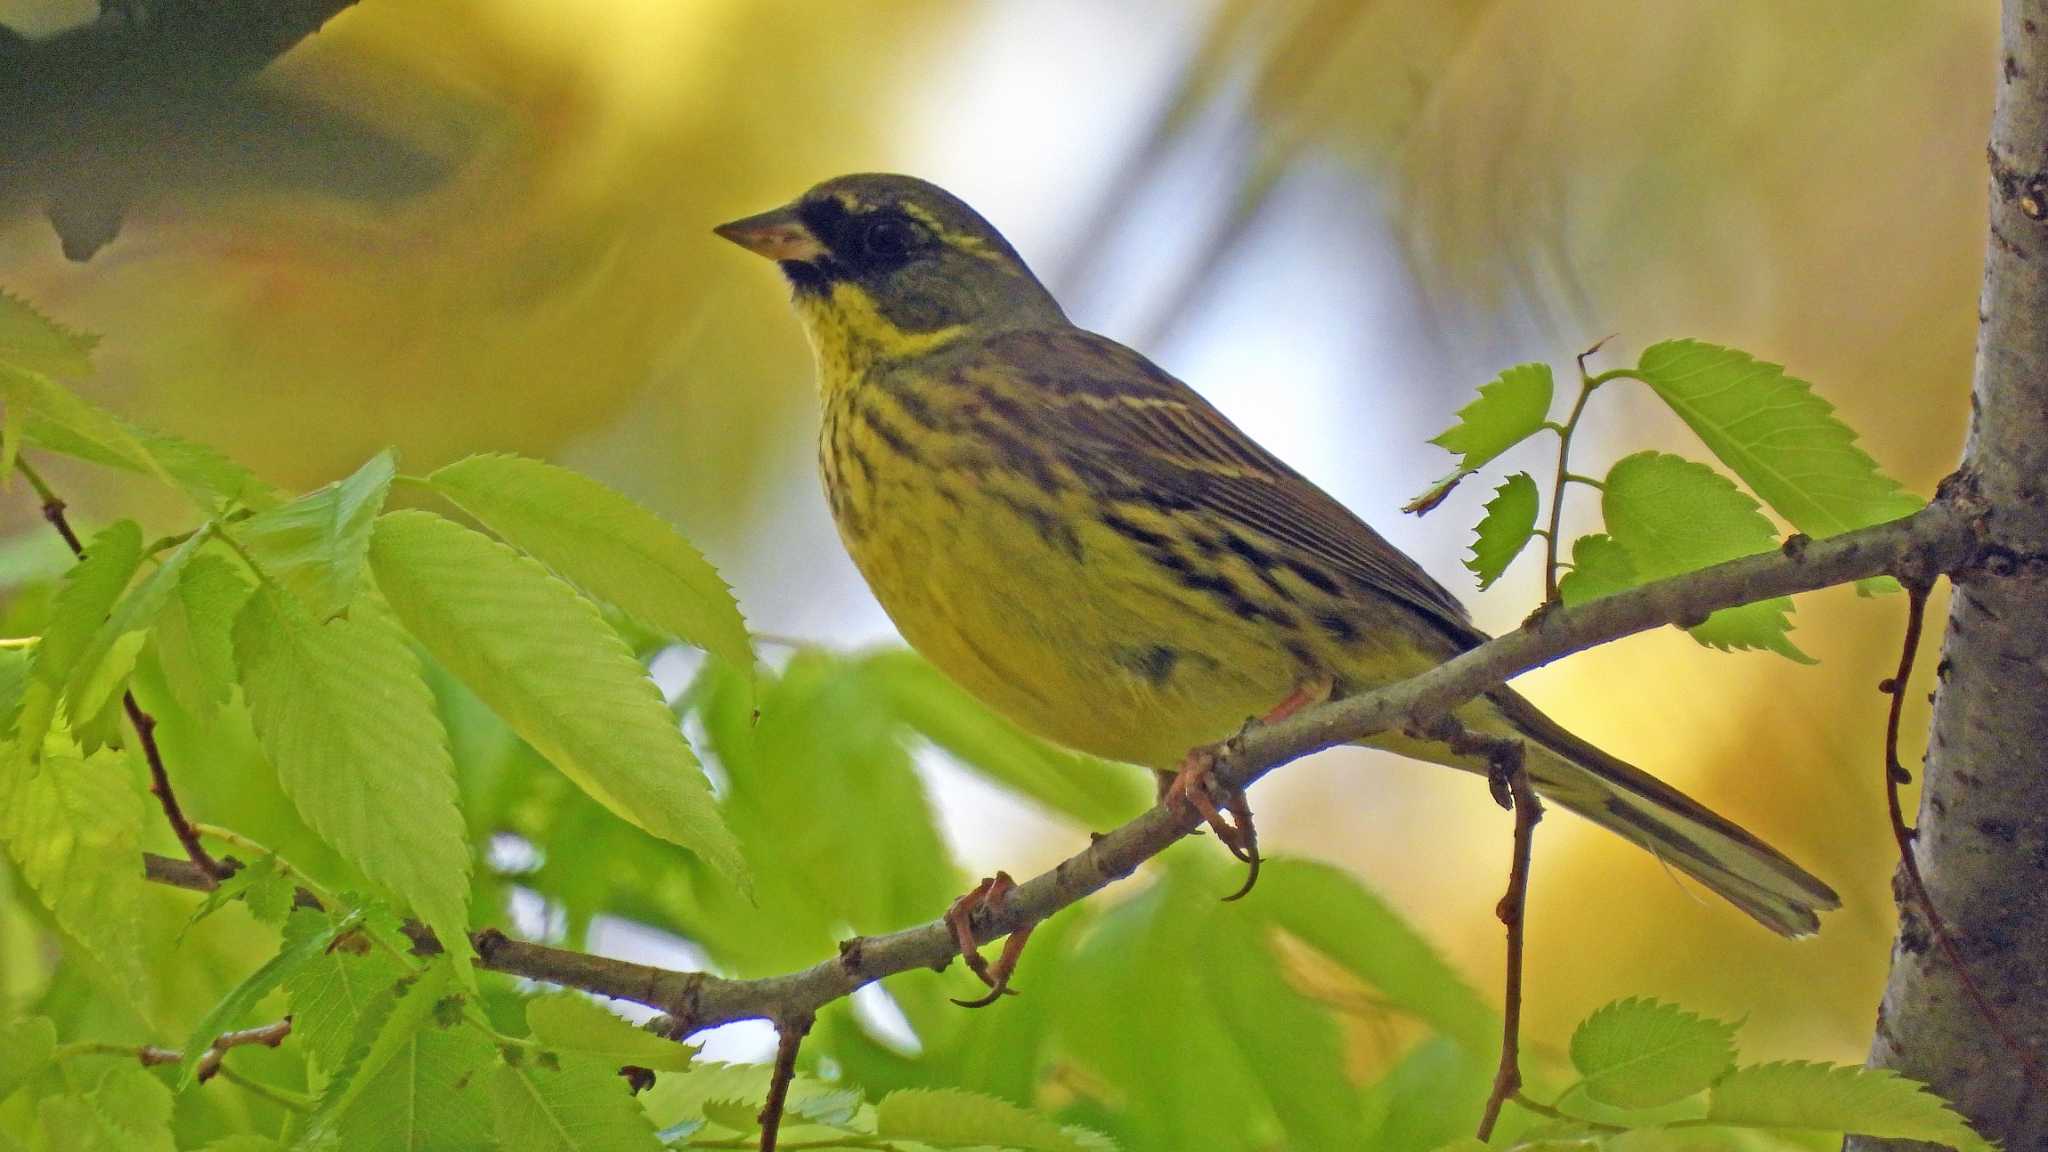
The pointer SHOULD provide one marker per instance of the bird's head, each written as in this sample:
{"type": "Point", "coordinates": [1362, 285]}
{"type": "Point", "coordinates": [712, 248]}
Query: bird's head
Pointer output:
{"type": "Point", "coordinates": [891, 266]}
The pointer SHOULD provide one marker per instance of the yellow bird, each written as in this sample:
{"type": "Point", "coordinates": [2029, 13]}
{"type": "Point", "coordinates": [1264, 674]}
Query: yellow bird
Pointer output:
{"type": "Point", "coordinates": [1092, 549]}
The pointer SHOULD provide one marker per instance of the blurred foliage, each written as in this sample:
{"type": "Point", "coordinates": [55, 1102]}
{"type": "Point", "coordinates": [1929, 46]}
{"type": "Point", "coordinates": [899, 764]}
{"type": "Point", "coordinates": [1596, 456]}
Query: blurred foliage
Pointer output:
{"type": "Point", "coordinates": [1802, 180]}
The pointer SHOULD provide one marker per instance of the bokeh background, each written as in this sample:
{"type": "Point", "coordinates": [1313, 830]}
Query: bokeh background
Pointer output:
{"type": "Point", "coordinates": [458, 226]}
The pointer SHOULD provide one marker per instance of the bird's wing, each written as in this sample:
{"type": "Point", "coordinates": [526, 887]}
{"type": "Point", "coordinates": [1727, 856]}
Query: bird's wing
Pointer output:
{"type": "Point", "coordinates": [1131, 430]}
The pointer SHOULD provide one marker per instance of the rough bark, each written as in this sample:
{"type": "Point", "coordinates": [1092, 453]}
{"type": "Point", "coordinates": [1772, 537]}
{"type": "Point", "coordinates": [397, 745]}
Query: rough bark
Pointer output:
{"type": "Point", "coordinates": [1982, 843]}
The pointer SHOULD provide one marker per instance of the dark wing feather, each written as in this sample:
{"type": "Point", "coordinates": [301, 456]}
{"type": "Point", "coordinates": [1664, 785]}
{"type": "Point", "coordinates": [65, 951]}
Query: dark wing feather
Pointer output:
{"type": "Point", "coordinates": [1122, 423]}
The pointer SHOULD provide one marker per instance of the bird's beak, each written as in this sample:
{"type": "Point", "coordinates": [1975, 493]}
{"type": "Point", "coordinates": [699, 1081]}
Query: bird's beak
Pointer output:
{"type": "Point", "coordinates": [779, 235]}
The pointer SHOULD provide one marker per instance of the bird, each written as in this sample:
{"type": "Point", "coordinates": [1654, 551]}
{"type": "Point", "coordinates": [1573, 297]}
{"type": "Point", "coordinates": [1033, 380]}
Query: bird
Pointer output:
{"type": "Point", "coordinates": [1093, 550]}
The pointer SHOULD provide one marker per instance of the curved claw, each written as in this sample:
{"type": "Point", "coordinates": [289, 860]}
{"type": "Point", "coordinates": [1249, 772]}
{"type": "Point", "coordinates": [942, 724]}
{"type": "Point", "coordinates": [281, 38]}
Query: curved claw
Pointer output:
{"type": "Point", "coordinates": [1231, 820]}
{"type": "Point", "coordinates": [960, 917]}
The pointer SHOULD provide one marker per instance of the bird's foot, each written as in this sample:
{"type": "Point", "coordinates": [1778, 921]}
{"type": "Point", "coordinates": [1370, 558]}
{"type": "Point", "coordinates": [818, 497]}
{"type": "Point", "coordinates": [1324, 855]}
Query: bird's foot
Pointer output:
{"type": "Point", "coordinates": [990, 894]}
{"type": "Point", "coordinates": [1223, 807]}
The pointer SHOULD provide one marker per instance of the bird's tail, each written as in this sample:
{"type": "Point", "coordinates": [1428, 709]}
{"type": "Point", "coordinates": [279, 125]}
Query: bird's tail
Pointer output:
{"type": "Point", "coordinates": [1678, 830]}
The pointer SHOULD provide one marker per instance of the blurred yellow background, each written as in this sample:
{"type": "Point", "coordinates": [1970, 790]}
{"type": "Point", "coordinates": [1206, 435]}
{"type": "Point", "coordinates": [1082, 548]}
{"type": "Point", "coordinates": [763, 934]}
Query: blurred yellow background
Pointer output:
{"type": "Point", "coordinates": [1333, 219]}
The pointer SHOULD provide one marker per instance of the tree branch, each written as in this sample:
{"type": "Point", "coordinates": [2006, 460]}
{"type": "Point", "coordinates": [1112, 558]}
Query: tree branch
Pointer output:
{"type": "Point", "coordinates": [145, 724]}
{"type": "Point", "coordinates": [1980, 845]}
{"type": "Point", "coordinates": [1944, 537]}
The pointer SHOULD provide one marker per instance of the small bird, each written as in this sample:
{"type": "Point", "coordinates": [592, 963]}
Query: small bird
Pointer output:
{"type": "Point", "coordinates": [1092, 549]}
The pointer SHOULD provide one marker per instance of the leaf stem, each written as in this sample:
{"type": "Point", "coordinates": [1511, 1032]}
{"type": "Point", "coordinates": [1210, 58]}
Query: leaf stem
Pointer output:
{"type": "Point", "coordinates": [1587, 384]}
{"type": "Point", "coordinates": [235, 839]}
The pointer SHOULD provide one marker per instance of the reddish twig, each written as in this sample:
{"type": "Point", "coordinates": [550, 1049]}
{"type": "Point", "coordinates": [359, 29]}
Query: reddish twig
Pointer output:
{"type": "Point", "coordinates": [789, 1036]}
{"type": "Point", "coordinates": [151, 1056]}
{"type": "Point", "coordinates": [145, 724]}
{"type": "Point", "coordinates": [1509, 774]}
{"type": "Point", "coordinates": [1895, 775]}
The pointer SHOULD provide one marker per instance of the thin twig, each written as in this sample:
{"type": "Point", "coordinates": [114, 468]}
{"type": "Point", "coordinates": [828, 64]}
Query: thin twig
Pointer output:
{"type": "Point", "coordinates": [1895, 775]}
{"type": "Point", "coordinates": [152, 1056]}
{"type": "Point", "coordinates": [1588, 384]}
{"type": "Point", "coordinates": [144, 723]}
{"type": "Point", "coordinates": [1944, 537]}
{"type": "Point", "coordinates": [789, 1036]}
{"type": "Point", "coordinates": [1512, 910]}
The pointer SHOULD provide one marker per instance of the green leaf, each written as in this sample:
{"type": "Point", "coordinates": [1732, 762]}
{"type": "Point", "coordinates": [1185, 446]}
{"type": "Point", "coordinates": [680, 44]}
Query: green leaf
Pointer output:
{"type": "Point", "coordinates": [1863, 1101]}
{"type": "Point", "coordinates": [353, 731]}
{"type": "Point", "coordinates": [605, 544]}
{"type": "Point", "coordinates": [336, 993]}
{"type": "Point", "coordinates": [1509, 410]}
{"type": "Point", "coordinates": [96, 673]}
{"type": "Point", "coordinates": [383, 1032]}
{"type": "Point", "coordinates": [1094, 793]}
{"type": "Point", "coordinates": [1771, 430]}
{"type": "Point", "coordinates": [1600, 567]}
{"type": "Point", "coordinates": [573, 1022]}
{"type": "Point", "coordinates": [206, 476]}
{"type": "Point", "coordinates": [1673, 516]}
{"type": "Point", "coordinates": [31, 340]}
{"type": "Point", "coordinates": [74, 826]}
{"type": "Point", "coordinates": [576, 1105]}
{"type": "Point", "coordinates": [316, 545]}
{"type": "Point", "coordinates": [264, 887]}
{"type": "Point", "coordinates": [307, 935]}
{"type": "Point", "coordinates": [949, 1118]}
{"type": "Point", "coordinates": [194, 634]}
{"type": "Point", "coordinates": [1639, 1053]}
{"type": "Point", "coordinates": [129, 1112]}
{"type": "Point", "coordinates": [25, 1047]}
{"type": "Point", "coordinates": [1329, 910]}
{"type": "Point", "coordinates": [63, 421]}
{"type": "Point", "coordinates": [1507, 528]}
{"type": "Point", "coordinates": [429, 1097]}
{"type": "Point", "coordinates": [89, 591]}
{"type": "Point", "coordinates": [544, 660]}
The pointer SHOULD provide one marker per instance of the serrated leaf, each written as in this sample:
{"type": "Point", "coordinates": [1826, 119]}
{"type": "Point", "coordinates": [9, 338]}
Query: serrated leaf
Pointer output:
{"type": "Point", "coordinates": [25, 1047]}
{"type": "Point", "coordinates": [1639, 1053]}
{"type": "Point", "coordinates": [1600, 567]}
{"type": "Point", "coordinates": [832, 1109]}
{"type": "Point", "coordinates": [264, 887]}
{"type": "Point", "coordinates": [31, 340]}
{"type": "Point", "coordinates": [59, 419]}
{"type": "Point", "coordinates": [1506, 529]}
{"type": "Point", "coordinates": [316, 546]}
{"type": "Point", "coordinates": [194, 634]}
{"type": "Point", "coordinates": [130, 1111]}
{"type": "Point", "coordinates": [1673, 516]}
{"type": "Point", "coordinates": [74, 826]}
{"type": "Point", "coordinates": [88, 593]}
{"type": "Point", "coordinates": [431, 1096]}
{"type": "Point", "coordinates": [571, 1022]}
{"type": "Point", "coordinates": [382, 1033]}
{"type": "Point", "coordinates": [103, 666]}
{"type": "Point", "coordinates": [949, 1118]}
{"type": "Point", "coordinates": [207, 477]}
{"type": "Point", "coordinates": [740, 1116]}
{"type": "Point", "coordinates": [1511, 408]}
{"type": "Point", "coordinates": [305, 937]}
{"type": "Point", "coordinates": [605, 544]}
{"type": "Point", "coordinates": [1863, 1101]}
{"type": "Point", "coordinates": [336, 993]}
{"type": "Point", "coordinates": [1777, 435]}
{"type": "Point", "coordinates": [579, 1105]}
{"type": "Point", "coordinates": [352, 729]}
{"type": "Point", "coordinates": [545, 661]}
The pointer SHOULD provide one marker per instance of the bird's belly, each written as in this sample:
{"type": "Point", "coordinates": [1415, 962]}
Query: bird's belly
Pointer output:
{"type": "Point", "coordinates": [1058, 625]}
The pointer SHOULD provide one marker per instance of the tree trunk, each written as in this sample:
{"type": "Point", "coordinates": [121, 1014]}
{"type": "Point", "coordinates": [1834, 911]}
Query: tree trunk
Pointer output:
{"type": "Point", "coordinates": [1983, 825]}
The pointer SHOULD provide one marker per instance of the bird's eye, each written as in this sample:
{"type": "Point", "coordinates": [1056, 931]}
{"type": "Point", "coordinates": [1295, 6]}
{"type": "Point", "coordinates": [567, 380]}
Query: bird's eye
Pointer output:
{"type": "Point", "coordinates": [887, 238]}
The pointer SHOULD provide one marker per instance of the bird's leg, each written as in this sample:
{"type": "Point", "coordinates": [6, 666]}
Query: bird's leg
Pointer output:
{"type": "Point", "coordinates": [1225, 808]}
{"type": "Point", "coordinates": [960, 918]}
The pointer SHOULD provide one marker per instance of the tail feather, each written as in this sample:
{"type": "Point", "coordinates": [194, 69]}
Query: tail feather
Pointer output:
{"type": "Point", "coordinates": [1678, 830]}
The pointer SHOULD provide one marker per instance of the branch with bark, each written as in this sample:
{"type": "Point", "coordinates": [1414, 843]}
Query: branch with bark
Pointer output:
{"type": "Point", "coordinates": [1980, 842]}
{"type": "Point", "coordinates": [1950, 536]}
